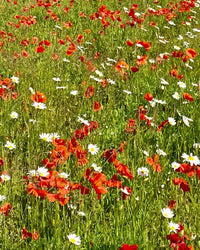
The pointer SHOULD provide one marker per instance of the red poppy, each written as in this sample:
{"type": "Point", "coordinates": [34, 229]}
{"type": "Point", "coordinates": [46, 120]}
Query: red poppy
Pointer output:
{"type": "Point", "coordinates": [191, 53]}
{"type": "Point", "coordinates": [146, 45]}
{"type": "Point", "coordinates": [97, 106]}
{"type": "Point", "coordinates": [26, 234]}
{"type": "Point", "coordinates": [39, 49]}
{"type": "Point", "coordinates": [123, 169]}
{"type": "Point", "coordinates": [183, 184]}
{"type": "Point", "coordinates": [171, 204]}
{"type": "Point", "coordinates": [5, 209]}
{"type": "Point", "coordinates": [134, 69]}
{"type": "Point", "coordinates": [161, 126]}
{"type": "Point", "coordinates": [154, 162]}
{"type": "Point", "coordinates": [129, 43]}
{"type": "Point", "coordinates": [38, 97]}
{"type": "Point", "coordinates": [148, 96]}
{"type": "Point", "coordinates": [128, 247]}
{"type": "Point", "coordinates": [188, 97]}
{"type": "Point", "coordinates": [110, 155]}
{"type": "Point", "coordinates": [89, 92]}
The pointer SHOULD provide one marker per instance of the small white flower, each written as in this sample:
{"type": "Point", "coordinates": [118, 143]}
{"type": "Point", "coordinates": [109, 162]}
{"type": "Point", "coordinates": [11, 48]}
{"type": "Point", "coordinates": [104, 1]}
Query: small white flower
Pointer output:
{"type": "Point", "coordinates": [125, 191]}
{"type": "Point", "coordinates": [66, 60]}
{"type": "Point", "coordinates": [58, 27]}
{"type": "Point", "coordinates": [2, 197]}
{"type": "Point", "coordinates": [96, 168]}
{"type": "Point", "coordinates": [171, 23]}
{"type": "Point", "coordinates": [64, 175]}
{"type": "Point", "coordinates": [160, 152]}
{"type": "Point", "coordinates": [173, 227]}
{"type": "Point", "coordinates": [176, 96]}
{"type": "Point", "coordinates": [145, 153]}
{"type": "Point", "coordinates": [15, 79]}
{"type": "Point", "coordinates": [10, 145]}
{"type": "Point", "coordinates": [70, 206]}
{"type": "Point", "coordinates": [83, 121]}
{"type": "Point", "coordinates": [181, 84]}
{"type": "Point", "coordinates": [46, 137]}
{"type": "Point", "coordinates": [127, 92]}
{"type": "Point", "coordinates": [176, 47]}
{"type": "Point", "coordinates": [93, 149]}
{"type": "Point", "coordinates": [14, 115]}
{"type": "Point", "coordinates": [32, 90]}
{"type": "Point", "coordinates": [42, 171]}
{"type": "Point", "coordinates": [167, 213]}
{"type": "Point", "coordinates": [175, 165]}
{"type": "Point", "coordinates": [74, 92]}
{"type": "Point", "coordinates": [111, 81]}
{"type": "Point", "coordinates": [180, 37]}
{"type": "Point", "coordinates": [152, 103]}
{"type": "Point", "coordinates": [98, 73]}
{"type": "Point", "coordinates": [74, 239]}
{"type": "Point", "coordinates": [39, 105]}
{"type": "Point", "coordinates": [61, 87]}
{"type": "Point", "coordinates": [54, 136]}
{"type": "Point", "coordinates": [32, 173]}
{"type": "Point", "coordinates": [33, 121]}
{"type": "Point", "coordinates": [171, 121]}
{"type": "Point", "coordinates": [192, 159]}
{"type": "Point", "coordinates": [143, 171]}
{"type": "Point", "coordinates": [56, 79]}
{"type": "Point", "coordinates": [186, 120]}
{"type": "Point", "coordinates": [196, 145]}
{"type": "Point", "coordinates": [164, 82]}
{"type": "Point", "coordinates": [5, 177]}
{"type": "Point", "coordinates": [81, 213]}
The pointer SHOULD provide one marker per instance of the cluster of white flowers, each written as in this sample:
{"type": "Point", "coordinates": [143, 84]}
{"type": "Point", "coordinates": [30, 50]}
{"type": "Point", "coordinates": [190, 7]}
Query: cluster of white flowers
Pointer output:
{"type": "Point", "coordinates": [49, 137]}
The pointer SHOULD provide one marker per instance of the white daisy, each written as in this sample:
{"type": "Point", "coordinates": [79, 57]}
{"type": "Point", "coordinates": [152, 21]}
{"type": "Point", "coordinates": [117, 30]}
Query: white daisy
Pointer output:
{"type": "Point", "coordinates": [181, 84]}
{"type": "Point", "coordinates": [143, 171]}
{"type": "Point", "coordinates": [56, 79]}
{"type": "Point", "coordinates": [196, 145]}
{"type": "Point", "coordinates": [54, 136]}
{"type": "Point", "coordinates": [175, 165]}
{"type": "Point", "coordinates": [176, 47]}
{"type": "Point", "coordinates": [82, 120]}
{"type": "Point", "coordinates": [64, 175]}
{"type": "Point", "coordinates": [93, 149]}
{"type": "Point", "coordinates": [81, 213]}
{"type": "Point", "coordinates": [161, 152]}
{"type": "Point", "coordinates": [74, 239]}
{"type": "Point", "coordinates": [5, 177]}
{"type": "Point", "coordinates": [15, 79]}
{"type": "Point", "coordinates": [98, 73]}
{"type": "Point", "coordinates": [167, 213]}
{"type": "Point", "coordinates": [10, 145]}
{"type": "Point", "coordinates": [186, 120]}
{"type": "Point", "coordinates": [14, 115]}
{"type": "Point", "coordinates": [74, 92]}
{"type": "Point", "coordinates": [176, 96]}
{"type": "Point", "coordinates": [96, 168]}
{"type": "Point", "coordinates": [192, 159]}
{"type": "Point", "coordinates": [46, 137]}
{"type": "Point", "coordinates": [39, 105]}
{"type": "Point", "coordinates": [173, 227]}
{"type": "Point", "coordinates": [42, 171]}
{"type": "Point", "coordinates": [145, 153]}
{"type": "Point", "coordinates": [171, 121]}
{"type": "Point", "coordinates": [32, 173]}
{"type": "Point", "coordinates": [2, 197]}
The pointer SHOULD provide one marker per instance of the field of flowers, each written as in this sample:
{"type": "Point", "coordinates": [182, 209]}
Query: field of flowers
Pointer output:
{"type": "Point", "coordinates": [99, 124]}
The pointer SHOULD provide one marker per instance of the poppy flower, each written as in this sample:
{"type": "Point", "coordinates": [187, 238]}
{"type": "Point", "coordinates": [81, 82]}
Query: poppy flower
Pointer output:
{"type": "Point", "coordinates": [148, 96]}
{"type": "Point", "coordinates": [188, 97]}
{"type": "Point", "coordinates": [129, 43]}
{"type": "Point", "coordinates": [161, 126]}
{"type": "Point", "coordinates": [154, 162]}
{"type": "Point", "coordinates": [89, 92]}
{"type": "Point", "coordinates": [128, 247]}
{"type": "Point", "coordinates": [5, 209]}
{"type": "Point", "coordinates": [39, 49]}
{"type": "Point", "coordinates": [38, 97]}
{"type": "Point", "coordinates": [110, 155]}
{"type": "Point", "coordinates": [26, 234]}
{"type": "Point", "coordinates": [97, 106]}
{"type": "Point", "coordinates": [191, 53]}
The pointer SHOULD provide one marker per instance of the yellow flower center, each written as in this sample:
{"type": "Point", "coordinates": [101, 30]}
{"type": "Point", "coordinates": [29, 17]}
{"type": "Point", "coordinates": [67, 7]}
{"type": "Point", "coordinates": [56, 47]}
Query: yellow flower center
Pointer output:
{"type": "Point", "coordinates": [5, 178]}
{"type": "Point", "coordinates": [73, 240]}
{"type": "Point", "coordinates": [45, 138]}
{"type": "Point", "coordinates": [191, 158]}
{"type": "Point", "coordinates": [10, 146]}
{"type": "Point", "coordinates": [143, 171]}
{"type": "Point", "coordinates": [92, 149]}
{"type": "Point", "coordinates": [172, 228]}
{"type": "Point", "coordinates": [166, 215]}
{"type": "Point", "coordinates": [41, 174]}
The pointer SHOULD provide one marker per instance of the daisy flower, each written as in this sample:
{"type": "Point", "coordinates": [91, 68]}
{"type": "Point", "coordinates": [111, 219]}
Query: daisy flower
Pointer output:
{"type": "Point", "coordinates": [74, 92]}
{"type": "Point", "coordinates": [176, 96]}
{"type": "Point", "coordinates": [81, 213]}
{"type": "Point", "coordinates": [175, 165]}
{"type": "Point", "coordinates": [15, 79]}
{"type": "Point", "coordinates": [56, 79]}
{"type": "Point", "coordinates": [5, 177]}
{"type": "Point", "coordinates": [39, 105]}
{"type": "Point", "coordinates": [10, 145]}
{"type": "Point", "coordinates": [196, 145]}
{"type": "Point", "coordinates": [192, 159]}
{"type": "Point", "coordinates": [161, 152]}
{"type": "Point", "coordinates": [98, 73]}
{"type": "Point", "coordinates": [14, 115]}
{"type": "Point", "coordinates": [176, 47]}
{"type": "Point", "coordinates": [173, 227]}
{"type": "Point", "coordinates": [42, 171]}
{"type": "Point", "coordinates": [2, 197]}
{"type": "Point", "coordinates": [143, 171]}
{"type": "Point", "coordinates": [186, 120]}
{"type": "Point", "coordinates": [167, 213]}
{"type": "Point", "coordinates": [96, 168]}
{"type": "Point", "coordinates": [73, 238]}
{"type": "Point", "coordinates": [93, 149]}
{"type": "Point", "coordinates": [32, 173]}
{"type": "Point", "coordinates": [82, 120]}
{"type": "Point", "coordinates": [46, 137]}
{"type": "Point", "coordinates": [63, 175]}
{"type": "Point", "coordinates": [54, 136]}
{"type": "Point", "coordinates": [181, 84]}
{"type": "Point", "coordinates": [171, 121]}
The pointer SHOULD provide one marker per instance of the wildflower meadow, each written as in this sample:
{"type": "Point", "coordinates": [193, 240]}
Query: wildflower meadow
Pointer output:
{"type": "Point", "coordinates": [99, 124]}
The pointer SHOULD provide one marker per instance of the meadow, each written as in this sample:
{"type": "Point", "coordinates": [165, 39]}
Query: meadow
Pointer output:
{"type": "Point", "coordinates": [99, 124]}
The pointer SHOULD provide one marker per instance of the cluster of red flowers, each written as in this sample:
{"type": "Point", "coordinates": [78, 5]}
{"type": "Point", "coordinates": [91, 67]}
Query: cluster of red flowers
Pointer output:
{"type": "Point", "coordinates": [7, 89]}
